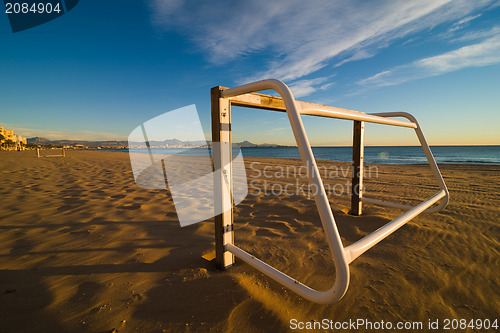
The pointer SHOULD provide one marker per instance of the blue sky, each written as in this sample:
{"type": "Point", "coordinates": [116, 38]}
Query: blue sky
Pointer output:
{"type": "Point", "coordinates": [105, 67]}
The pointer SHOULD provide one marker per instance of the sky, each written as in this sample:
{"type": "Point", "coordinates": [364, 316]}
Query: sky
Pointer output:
{"type": "Point", "coordinates": [106, 67]}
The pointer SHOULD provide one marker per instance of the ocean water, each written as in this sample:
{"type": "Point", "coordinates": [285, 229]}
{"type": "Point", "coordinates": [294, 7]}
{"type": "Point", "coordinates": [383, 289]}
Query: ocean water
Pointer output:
{"type": "Point", "coordinates": [373, 154]}
{"type": "Point", "coordinates": [390, 154]}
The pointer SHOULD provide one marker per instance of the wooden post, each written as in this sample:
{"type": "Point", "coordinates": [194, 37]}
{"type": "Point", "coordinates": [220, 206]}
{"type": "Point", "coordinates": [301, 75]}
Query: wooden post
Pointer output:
{"type": "Point", "coordinates": [37, 152]}
{"type": "Point", "coordinates": [358, 154]}
{"type": "Point", "coordinates": [221, 154]}
{"type": "Point", "coordinates": [63, 153]}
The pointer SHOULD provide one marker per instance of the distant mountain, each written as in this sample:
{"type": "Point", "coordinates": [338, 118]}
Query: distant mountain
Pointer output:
{"type": "Point", "coordinates": [170, 142]}
{"type": "Point", "coordinates": [38, 141]}
{"type": "Point", "coordinates": [247, 144]}
{"type": "Point", "coordinates": [174, 142]}
{"type": "Point", "coordinates": [45, 142]}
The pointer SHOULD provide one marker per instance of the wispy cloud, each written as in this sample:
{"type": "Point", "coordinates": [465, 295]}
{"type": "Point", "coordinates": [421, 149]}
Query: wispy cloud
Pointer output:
{"type": "Point", "coordinates": [484, 53]}
{"type": "Point", "coordinates": [466, 20]}
{"type": "Point", "coordinates": [455, 31]}
{"type": "Point", "coordinates": [477, 35]}
{"type": "Point", "coordinates": [302, 37]}
{"type": "Point", "coordinates": [306, 87]}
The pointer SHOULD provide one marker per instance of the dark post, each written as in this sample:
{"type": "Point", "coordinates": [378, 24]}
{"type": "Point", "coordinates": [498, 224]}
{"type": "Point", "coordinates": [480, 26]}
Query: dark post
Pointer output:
{"type": "Point", "coordinates": [358, 154]}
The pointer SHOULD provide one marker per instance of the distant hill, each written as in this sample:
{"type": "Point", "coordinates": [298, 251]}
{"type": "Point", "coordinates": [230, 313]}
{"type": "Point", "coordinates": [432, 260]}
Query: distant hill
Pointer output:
{"type": "Point", "coordinates": [173, 142]}
{"type": "Point", "coordinates": [170, 142]}
{"type": "Point", "coordinates": [45, 142]}
{"type": "Point", "coordinates": [249, 144]}
{"type": "Point", "coordinates": [38, 141]}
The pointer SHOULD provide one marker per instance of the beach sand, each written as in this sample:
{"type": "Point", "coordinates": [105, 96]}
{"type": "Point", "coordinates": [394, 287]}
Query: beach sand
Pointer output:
{"type": "Point", "coordinates": [84, 249]}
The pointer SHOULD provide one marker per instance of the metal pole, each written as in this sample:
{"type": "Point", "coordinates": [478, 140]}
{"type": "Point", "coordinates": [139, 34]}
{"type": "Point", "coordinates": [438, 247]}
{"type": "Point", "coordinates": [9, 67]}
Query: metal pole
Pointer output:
{"type": "Point", "coordinates": [339, 288]}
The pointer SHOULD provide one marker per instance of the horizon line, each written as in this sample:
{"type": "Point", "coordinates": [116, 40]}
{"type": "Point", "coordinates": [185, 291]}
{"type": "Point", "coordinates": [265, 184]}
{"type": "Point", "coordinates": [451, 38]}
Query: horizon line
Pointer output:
{"type": "Point", "coordinates": [291, 145]}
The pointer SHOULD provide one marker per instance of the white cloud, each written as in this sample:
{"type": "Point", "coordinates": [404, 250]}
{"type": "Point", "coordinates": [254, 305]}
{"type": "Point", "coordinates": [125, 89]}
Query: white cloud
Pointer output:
{"type": "Point", "coordinates": [306, 87]}
{"type": "Point", "coordinates": [467, 19]}
{"type": "Point", "coordinates": [476, 55]}
{"type": "Point", "coordinates": [301, 37]}
{"type": "Point", "coordinates": [478, 35]}
{"type": "Point", "coordinates": [481, 54]}
{"type": "Point", "coordinates": [358, 55]}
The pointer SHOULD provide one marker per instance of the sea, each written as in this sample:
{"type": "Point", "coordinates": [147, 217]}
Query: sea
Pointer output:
{"type": "Point", "coordinates": [486, 155]}
{"type": "Point", "coordinates": [390, 154]}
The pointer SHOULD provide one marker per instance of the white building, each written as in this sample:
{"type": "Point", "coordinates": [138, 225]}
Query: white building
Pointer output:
{"type": "Point", "coordinates": [18, 140]}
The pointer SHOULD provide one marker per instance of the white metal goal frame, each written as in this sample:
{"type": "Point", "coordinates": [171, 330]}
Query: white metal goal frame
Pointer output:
{"type": "Point", "coordinates": [62, 154]}
{"type": "Point", "coordinates": [246, 96]}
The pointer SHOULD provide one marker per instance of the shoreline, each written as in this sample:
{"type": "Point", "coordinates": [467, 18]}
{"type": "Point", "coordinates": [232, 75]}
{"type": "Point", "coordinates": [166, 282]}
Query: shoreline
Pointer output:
{"type": "Point", "coordinates": [475, 163]}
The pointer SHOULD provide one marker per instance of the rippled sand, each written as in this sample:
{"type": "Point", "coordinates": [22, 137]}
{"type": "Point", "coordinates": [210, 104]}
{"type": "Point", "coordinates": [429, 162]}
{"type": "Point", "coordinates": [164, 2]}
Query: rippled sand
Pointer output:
{"type": "Point", "coordinates": [84, 249]}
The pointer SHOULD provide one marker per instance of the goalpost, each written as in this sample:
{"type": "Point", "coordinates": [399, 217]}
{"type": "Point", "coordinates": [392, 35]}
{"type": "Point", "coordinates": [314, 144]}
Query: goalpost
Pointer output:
{"type": "Point", "coordinates": [42, 152]}
{"type": "Point", "coordinates": [246, 96]}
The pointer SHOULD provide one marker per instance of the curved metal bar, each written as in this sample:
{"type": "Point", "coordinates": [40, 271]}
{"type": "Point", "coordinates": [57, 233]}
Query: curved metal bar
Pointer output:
{"type": "Point", "coordinates": [353, 115]}
{"type": "Point", "coordinates": [428, 154]}
{"type": "Point", "coordinates": [356, 249]}
{"type": "Point", "coordinates": [341, 284]}
{"type": "Point", "coordinates": [341, 256]}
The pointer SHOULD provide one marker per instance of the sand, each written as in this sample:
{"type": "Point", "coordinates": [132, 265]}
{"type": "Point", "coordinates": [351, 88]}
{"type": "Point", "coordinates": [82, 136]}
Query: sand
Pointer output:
{"type": "Point", "coordinates": [84, 249]}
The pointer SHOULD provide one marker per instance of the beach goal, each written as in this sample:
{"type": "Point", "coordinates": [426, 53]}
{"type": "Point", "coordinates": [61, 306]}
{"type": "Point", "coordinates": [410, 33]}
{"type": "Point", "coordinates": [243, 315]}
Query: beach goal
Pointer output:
{"type": "Point", "coordinates": [247, 96]}
{"type": "Point", "coordinates": [53, 152]}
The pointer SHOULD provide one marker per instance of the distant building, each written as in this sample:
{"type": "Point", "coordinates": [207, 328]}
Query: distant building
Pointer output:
{"type": "Point", "coordinates": [8, 134]}
{"type": "Point", "coordinates": [18, 140]}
